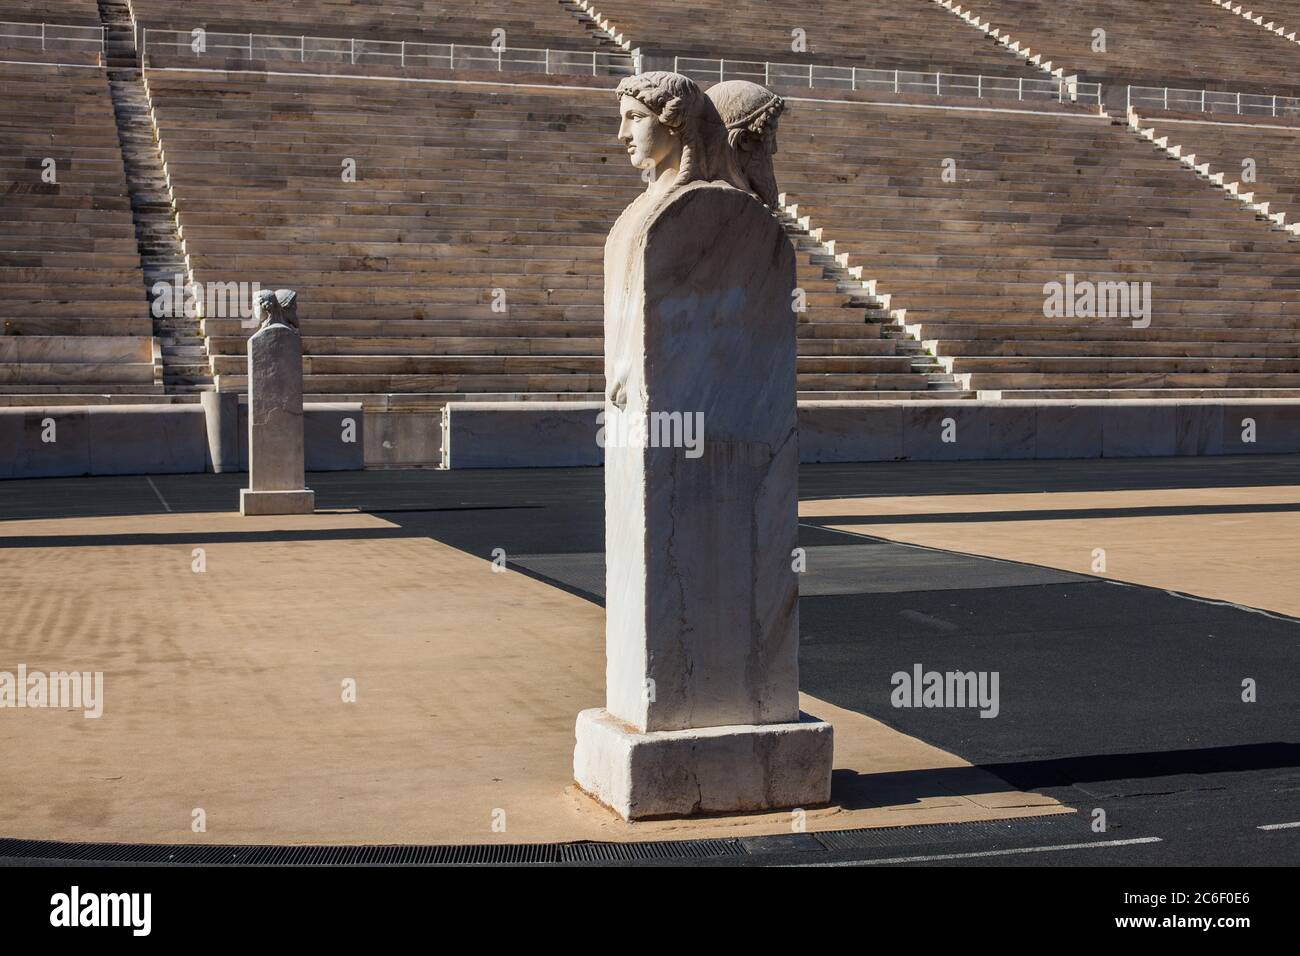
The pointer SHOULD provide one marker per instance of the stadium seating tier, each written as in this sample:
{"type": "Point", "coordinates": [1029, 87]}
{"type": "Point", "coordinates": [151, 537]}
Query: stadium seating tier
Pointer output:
{"type": "Point", "coordinates": [1178, 43]}
{"type": "Point", "coordinates": [73, 311]}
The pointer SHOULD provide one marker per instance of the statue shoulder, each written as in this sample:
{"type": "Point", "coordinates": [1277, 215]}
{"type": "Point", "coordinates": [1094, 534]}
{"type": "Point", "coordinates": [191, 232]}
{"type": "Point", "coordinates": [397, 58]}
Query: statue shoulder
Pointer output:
{"type": "Point", "coordinates": [716, 210]}
{"type": "Point", "coordinates": [717, 231]}
{"type": "Point", "coordinates": [702, 226]}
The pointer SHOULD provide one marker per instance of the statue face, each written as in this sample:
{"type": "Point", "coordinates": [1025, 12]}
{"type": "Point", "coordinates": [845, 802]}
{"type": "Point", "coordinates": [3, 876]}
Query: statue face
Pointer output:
{"type": "Point", "coordinates": [648, 141]}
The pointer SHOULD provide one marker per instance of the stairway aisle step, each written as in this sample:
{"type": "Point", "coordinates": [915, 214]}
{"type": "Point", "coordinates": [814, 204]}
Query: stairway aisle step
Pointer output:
{"type": "Point", "coordinates": [924, 366]}
{"type": "Point", "coordinates": [185, 364]}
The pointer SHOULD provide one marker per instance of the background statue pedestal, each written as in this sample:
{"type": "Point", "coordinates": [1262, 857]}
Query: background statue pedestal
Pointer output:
{"type": "Point", "coordinates": [276, 481]}
{"type": "Point", "coordinates": [702, 615]}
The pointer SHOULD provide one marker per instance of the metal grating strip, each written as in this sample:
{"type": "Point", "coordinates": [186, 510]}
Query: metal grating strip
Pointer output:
{"type": "Point", "coordinates": [466, 854]}
{"type": "Point", "coordinates": [517, 853]}
{"type": "Point", "coordinates": [685, 849]}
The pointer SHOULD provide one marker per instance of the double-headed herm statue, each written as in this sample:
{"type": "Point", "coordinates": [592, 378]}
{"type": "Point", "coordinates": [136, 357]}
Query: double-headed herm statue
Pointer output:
{"type": "Point", "coordinates": [276, 308]}
{"type": "Point", "coordinates": [701, 470]}
{"type": "Point", "coordinates": [276, 483]}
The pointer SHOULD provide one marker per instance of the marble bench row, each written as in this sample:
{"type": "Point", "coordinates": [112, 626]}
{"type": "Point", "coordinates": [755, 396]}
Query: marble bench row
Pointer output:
{"type": "Point", "coordinates": [1153, 43]}
{"type": "Point", "coordinates": [528, 23]}
{"type": "Point", "coordinates": [876, 35]}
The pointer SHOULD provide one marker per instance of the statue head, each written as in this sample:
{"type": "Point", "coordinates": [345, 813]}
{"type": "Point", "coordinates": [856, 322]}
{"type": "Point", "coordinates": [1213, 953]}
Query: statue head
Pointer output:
{"type": "Point", "coordinates": [750, 113]}
{"type": "Point", "coordinates": [276, 308]}
{"type": "Point", "coordinates": [668, 124]}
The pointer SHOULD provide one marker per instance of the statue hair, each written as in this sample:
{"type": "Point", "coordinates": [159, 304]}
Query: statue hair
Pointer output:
{"type": "Point", "coordinates": [280, 307]}
{"type": "Point", "coordinates": [756, 123]}
{"type": "Point", "coordinates": [679, 103]}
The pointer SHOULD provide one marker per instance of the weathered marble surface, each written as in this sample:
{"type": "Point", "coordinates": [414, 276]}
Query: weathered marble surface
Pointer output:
{"type": "Point", "coordinates": [750, 114]}
{"type": "Point", "coordinates": [853, 431]}
{"type": "Point", "coordinates": [702, 625]}
{"type": "Point", "coordinates": [322, 435]}
{"type": "Point", "coordinates": [520, 434]}
{"type": "Point", "coordinates": [221, 412]}
{"type": "Point", "coordinates": [403, 438]}
{"type": "Point", "coordinates": [703, 770]}
{"type": "Point", "coordinates": [143, 439]}
{"type": "Point", "coordinates": [275, 420]}
{"type": "Point", "coordinates": [702, 599]}
{"type": "Point", "coordinates": [275, 447]}
{"type": "Point", "coordinates": [82, 349]}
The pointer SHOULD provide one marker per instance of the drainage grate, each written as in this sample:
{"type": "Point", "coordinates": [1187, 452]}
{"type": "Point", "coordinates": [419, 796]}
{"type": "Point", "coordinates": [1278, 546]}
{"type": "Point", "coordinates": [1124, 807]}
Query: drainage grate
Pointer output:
{"type": "Point", "coordinates": [280, 855]}
{"type": "Point", "coordinates": [487, 854]}
{"type": "Point", "coordinates": [673, 850]}
{"type": "Point", "coordinates": [365, 855]}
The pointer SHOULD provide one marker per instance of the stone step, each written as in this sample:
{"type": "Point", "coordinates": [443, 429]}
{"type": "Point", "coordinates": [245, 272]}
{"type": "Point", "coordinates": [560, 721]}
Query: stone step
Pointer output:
{"type": "Point", "coordinates": [905, 344]}
{"type": "Point", "coordinates": [184, 383]}
{"type": "Point", "coordinates": [183, 349]}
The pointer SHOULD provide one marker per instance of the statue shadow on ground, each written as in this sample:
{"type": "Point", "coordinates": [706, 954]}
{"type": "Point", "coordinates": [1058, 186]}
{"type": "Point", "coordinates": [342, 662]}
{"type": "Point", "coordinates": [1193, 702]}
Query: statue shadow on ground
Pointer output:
{"type": "Point", "coordinates": [1099, 774]}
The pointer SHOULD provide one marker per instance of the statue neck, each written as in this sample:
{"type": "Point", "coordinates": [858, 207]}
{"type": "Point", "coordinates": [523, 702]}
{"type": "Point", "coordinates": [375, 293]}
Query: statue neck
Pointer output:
{"type": "Point", "coordinates": [665, 178]}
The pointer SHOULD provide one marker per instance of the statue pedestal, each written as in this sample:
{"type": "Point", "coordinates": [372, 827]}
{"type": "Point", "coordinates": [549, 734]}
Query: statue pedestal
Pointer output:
{"type": "Point", "coordinates": [702, 615]}
{"type": "Point", "coordinates": [703, 770]}
{"type": "Point", "coordinates": [276, 482]}
{"type": "Point", "coordinates": [302, 502]}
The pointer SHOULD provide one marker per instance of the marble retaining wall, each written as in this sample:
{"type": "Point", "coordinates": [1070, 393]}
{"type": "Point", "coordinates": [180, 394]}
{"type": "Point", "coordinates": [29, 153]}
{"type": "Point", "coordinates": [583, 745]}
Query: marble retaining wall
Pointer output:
{"type": "Point", "coordinates": [520, 434]}
{"type": "Point", "coordinates": [69, 440]}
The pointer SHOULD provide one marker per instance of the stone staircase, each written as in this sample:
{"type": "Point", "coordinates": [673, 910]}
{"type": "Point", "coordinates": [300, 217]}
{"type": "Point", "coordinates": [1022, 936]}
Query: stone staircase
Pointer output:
{"type": "Point", "coordinates": [184, 363]}
{"type": "Point", "coordinates": [119, 35]}
{"type": "Point", "coordinates": [603, 38]}
{"type": "Point", "coordinates": [808, 243]}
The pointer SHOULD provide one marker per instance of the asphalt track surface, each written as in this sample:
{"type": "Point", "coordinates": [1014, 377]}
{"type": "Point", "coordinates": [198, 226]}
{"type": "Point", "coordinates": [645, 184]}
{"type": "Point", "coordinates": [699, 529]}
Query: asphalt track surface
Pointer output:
{"type": "Point", "coordinates": [1112, 697]}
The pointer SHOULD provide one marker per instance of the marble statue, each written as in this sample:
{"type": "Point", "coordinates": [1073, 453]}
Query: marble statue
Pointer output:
{"type": "Point", "coordinates": [276, 308]}
{"type": "Point", "coordinates": [750, 114]}
{"type": "Point", "coordinates": [276, 476]}
{"type": "Point", "coordinates": [702, 622]}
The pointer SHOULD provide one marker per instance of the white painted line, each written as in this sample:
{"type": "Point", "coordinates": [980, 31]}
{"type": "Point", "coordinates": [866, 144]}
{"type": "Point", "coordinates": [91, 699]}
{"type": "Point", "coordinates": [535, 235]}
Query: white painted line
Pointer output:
{"type": "Point", "coordinates": [1278, 826]}
{"type": "Point", "coordinates": [235, 74]}
{"type": "Point", "coordinates": [158, 493]}
{"type": "Point", "coordinates": [84, 66]}
{"type": "Point", "coordinates": [987, 853]}
{"type": "Point", "coordinates": [1067, 114]}
{"type": "Point", "coordinates": [1190, 122]}
{"type": "Point", "coordinates": [1200, 600]}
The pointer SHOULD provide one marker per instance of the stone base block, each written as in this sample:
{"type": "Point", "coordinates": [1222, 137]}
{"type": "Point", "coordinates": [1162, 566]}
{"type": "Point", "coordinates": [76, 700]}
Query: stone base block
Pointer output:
{"type": "Point", "coordinates": [704, 770]}
{"type": "Point", "coordinates": [276, 502]}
